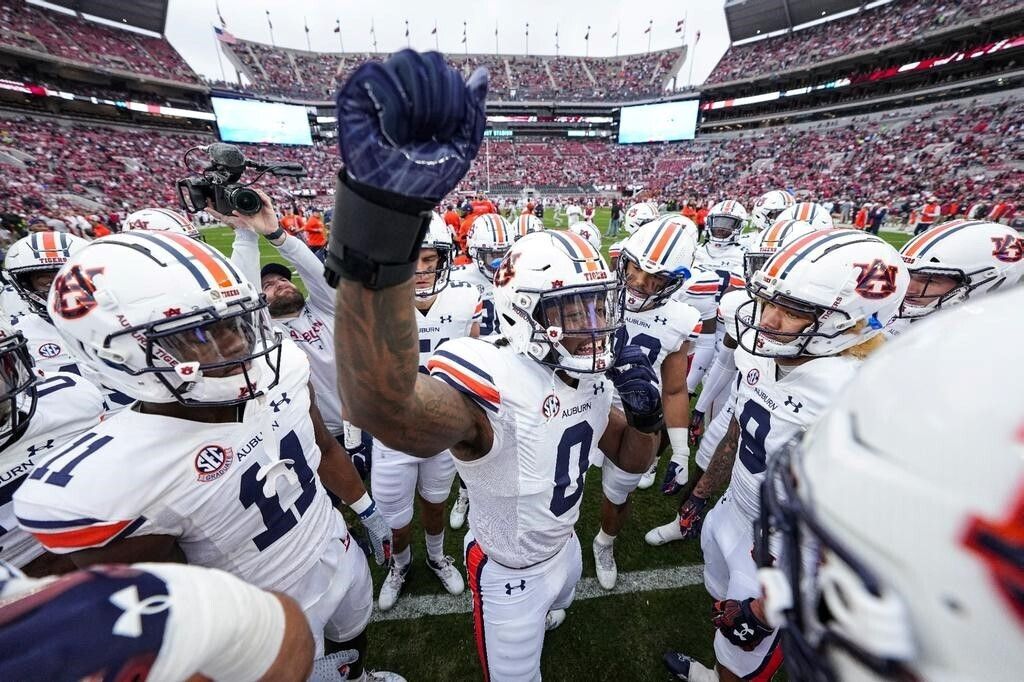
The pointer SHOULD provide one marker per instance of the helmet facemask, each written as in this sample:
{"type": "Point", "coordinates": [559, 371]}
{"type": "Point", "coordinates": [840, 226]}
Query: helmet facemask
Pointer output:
{"type": "Point", "coordinates": [211, 356]}
{"type": "Point", "coordinates": [440, 270]}
{"type": "Point", "coordinates": [636, 300]}
{"type": "Point", "coordinates": [757, 339]}
{"type": "Point", "coordinates": [754, 261]}
{"type": "Point", "coordinates": [34, 297]}
{"type": "Point", "coordinates": [488, 258]}
{"type": "Point", "coordinates": [723, 229]}
{"type": "Point", "coordinates": [939, 287]}
{"type": "Point", "coordinates": [18, 381]}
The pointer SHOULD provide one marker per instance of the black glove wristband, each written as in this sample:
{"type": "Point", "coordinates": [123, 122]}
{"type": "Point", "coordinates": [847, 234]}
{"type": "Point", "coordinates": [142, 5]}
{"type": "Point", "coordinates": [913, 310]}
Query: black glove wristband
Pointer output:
{"type": "Point", "coordinates": [649, 422]}
{"type": "Point", "coordinates": [376, 237]}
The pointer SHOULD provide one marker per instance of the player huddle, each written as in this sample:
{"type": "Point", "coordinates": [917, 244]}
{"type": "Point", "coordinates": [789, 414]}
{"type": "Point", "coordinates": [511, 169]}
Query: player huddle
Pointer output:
{"type": "Point", "coordinates": [159, 406]}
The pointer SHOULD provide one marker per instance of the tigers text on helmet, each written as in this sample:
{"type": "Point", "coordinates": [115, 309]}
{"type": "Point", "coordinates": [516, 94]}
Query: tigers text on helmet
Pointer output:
{"type": "Point", "coordinates": [39, 255]}
{"type": "Point", "coordinates": [588, 231]}
{"type": "Point", "coordinates": [957, 260]}
{"type": "Point", "coordinates": [639, 215]}
{"type": "Point", "coordinates": [559, 303]}
{"type": "Point", "coordinates": [769, 241]}
{"type": "Point", "coordinates": [489, 238]}
{"type": "Point", "coordinates": [159, 220]}
{"type": "Point", "coordinates": [18, 395]}
{"type": "Point", "coordinates": [164, 318]}
{"type": "Point", "coordinates": [724, 222]}
{"type": "Point", "coordinates": [768, 207]}
{"type": "Point", "coordinates": [882, 556]}
{"type": "Point", "coordinates": [809, 212]}
{"type": "Point", "coordinates": [433, 280]}
{"type": "Point", "coordinates": [663, 251]}
{"type": "Point", "coordinates": [849, 283]}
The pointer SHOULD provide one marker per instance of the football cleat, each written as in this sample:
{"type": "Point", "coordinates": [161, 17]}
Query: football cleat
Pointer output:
{"type": "Point", "coordinates": [554, 618]}
{"type": "Point", "coordinates": [458, 516]}
{"type": "Point", "coordinates": [448, 575]}
{"type": "Point", "coordinates": [647, 480]}
{"type": "Point", "coordinates": [604, 564]}
{"type": "Point", "coordinates": [391, 589]}
{"type": "Point", "coordinates": [662, 535]}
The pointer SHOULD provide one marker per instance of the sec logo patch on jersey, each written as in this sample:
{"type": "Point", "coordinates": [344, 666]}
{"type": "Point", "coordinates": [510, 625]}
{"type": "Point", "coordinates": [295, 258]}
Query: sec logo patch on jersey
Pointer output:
{"type": "Point", "coordinates": [753, 376]}
{"type": "Point", "coordinates": [212, 461]}
{"type": "Point", "coordinates": [49, 350]}
{"type": "Point", "coordinates": [551, 406]}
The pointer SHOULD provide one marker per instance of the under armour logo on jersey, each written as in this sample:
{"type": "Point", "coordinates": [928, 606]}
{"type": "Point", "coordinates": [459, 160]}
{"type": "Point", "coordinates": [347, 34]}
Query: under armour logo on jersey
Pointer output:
{"type": "Point", "coordinates": [743, 632]}
{"type": "Point", "coordinates": [129, 623]}
{"type": "Point", "coordinates": [663, 320]}
{"type": "Point", "coordinates": [278, 403]}
{"type": "Point", "coordinates": [445, 319]}
{"type": "Point", "coordinates": [794, 405]}
{"type": "Point", "coordinates": [599, 387]}
{"type": "Point", "coordinates": [509, 587]}
{"type": "Point", "coordinates": [33, 449]}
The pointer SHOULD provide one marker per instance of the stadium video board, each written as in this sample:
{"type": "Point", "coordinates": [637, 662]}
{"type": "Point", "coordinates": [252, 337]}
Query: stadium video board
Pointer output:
{"type": "Point", "coordinates": [244, 120]}
{"type": "Point", "coordinates": [663, 122]}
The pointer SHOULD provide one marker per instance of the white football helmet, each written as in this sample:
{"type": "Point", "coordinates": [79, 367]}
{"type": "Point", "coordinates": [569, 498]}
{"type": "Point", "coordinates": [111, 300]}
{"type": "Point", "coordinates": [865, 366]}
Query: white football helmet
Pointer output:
{"type": "Point", "coordinates": [663, 249]}
{"type": "Point", "coordinates": [767, 242]}
{"type": "Point", "coordinates": [809, 212]}
{"type": "Point", "coordinates": [884, 557]}
{"type": "Point", "coordinates": [768, 207]}
{"type": "Point", "coordinates": [980, 256]}
{"type": "Point", "coordinates": [851, 283]}
{"type": "Point", "coordinates": [527, 223]}
{"type": "Point", "coordinates": [159, 220]}
{"type": "Point", "coordinates": [164, 318]}
{"type": "Point", "coordinates": [588, 231]}
{"type": "Point", "coordinates": [38, 253]}
{"type": "Point", "coordinates": [558, 302]}
{"type": "Point", "coordinates": [439, 238]}
{"type": "Point", "coordinates": [639, 215]}
{"type": "Point", "coordinates": [724, 222]}
{"type": "Point", "coordinates": [18, 394]}
{"type": "Point", "coordinates": [489, 239]}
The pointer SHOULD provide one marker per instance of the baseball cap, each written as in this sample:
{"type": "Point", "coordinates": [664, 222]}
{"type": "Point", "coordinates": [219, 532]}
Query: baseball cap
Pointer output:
{"type": "Point", "coordinates": [276, 269]}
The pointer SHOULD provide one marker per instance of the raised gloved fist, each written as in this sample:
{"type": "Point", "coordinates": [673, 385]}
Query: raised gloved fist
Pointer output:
{"type": "Point", "coordinates": [637, 384]}
{"type": "Point", "coordinates": [738, 622]}
{"type": "Point", "coordinates": [696, 431]}
{"type": "Point", "coordinates": [410, 125]}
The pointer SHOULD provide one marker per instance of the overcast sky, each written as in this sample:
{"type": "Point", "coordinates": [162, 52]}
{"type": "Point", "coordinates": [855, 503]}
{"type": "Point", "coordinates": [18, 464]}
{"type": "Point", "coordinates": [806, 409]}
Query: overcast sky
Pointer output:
{"type": "Point", "coordinates": [189, 26]}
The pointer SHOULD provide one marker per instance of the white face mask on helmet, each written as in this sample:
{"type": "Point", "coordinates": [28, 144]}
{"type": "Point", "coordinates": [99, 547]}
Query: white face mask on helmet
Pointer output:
{"type": "Point", "coordinates": [978, 256]}
{"type": "Point", "coordinates": [206, 339]}
{"type": "Point", "coordinates": [559, 303]}
{"type": "Point", "coordinates": [17, 383]}
{"type": "Point", "coordinates": [663, 249]}
{"type": "Point", "coordinates": [848, 283]}
{"type": "Point", "coordinates": [724, 222]}
{"type": "Point", "coordinates": [438, 238]}
{"type": "Point", "coordinates": [40, 253]}
{"type": "Point", "coordinates": [489, 239]}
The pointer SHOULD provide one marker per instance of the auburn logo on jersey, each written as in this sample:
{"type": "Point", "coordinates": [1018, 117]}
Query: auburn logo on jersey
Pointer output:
{"type": "Point", "coordinates": [1008, 249]}
{"type": "Point", "coordinates": [876, 280]}
{"type": "Point", "coordinates": [75, 292]}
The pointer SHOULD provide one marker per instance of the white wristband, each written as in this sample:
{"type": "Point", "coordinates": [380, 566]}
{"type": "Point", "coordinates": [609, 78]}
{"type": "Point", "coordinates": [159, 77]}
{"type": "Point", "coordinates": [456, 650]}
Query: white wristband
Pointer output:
{"type": "Point", "coordinates": [353, 436]}
{"type": "Point", "coordinates": [680, 448]}
{"type": "Point", "coordinates": [362, 504]}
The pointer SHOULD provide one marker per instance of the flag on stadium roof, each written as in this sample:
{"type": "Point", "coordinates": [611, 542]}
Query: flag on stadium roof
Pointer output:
{"type": "Point", "coordinates": [224, 36]}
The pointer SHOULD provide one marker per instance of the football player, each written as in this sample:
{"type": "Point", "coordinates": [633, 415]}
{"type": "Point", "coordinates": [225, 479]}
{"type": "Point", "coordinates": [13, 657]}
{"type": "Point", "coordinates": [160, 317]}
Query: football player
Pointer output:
{"type": "Point", "coordinates": [521, 413]}
{"type": "Point", "coordinates": [527, 223]}
{"type": "Point", "coordinates": [160, 220]}
{"type": "Point", "coordinates": [817, 307]}
{"type": "Point", "coordinates": [446, 310]}
{"type": "Point", "coordinates": [638, 215]}
{"type": "Point", "coordinates": [224, 460]}
{"type": "Point", "coordinates": [923, 582]}
{"type": "Point", "coordinates": [655, 262]}
{"type": "Point", "coordinates": [149, 621]}
{"type": "Point", "coordinates": [722, 250]}
{"type": "Point", "coordinates": [588, 231]}
{"type": "Point", "coordinates": [955, 261]}
{"type": "Point", "coordinates": [768, 207]}
{"type": "Point", "coordinates": [809, 212]}
{"type": "Point", "coordinates": [38, 416]}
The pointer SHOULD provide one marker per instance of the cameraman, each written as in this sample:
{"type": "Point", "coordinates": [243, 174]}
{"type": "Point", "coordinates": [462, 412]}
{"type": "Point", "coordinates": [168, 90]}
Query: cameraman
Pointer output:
{"type": "Point", "coordinates": [309, 322]}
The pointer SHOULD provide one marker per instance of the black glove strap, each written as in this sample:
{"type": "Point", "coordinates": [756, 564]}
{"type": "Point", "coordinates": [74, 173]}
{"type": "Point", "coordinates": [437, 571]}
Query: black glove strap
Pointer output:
{"type": "Point", "coordinates": [375, 242]}
{"type": "Point", "coordinates": [651, 422]}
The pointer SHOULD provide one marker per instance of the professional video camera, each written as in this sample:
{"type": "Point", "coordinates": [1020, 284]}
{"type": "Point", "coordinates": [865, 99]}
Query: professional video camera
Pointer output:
{"type": "Point", "coordinates": [218, 181]}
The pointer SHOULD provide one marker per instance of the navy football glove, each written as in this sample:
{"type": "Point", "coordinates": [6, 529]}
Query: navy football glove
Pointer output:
{"type": "Point", "coordinates": [408, 129]}
{"type": "Point", "coordinates": [737, 621]}
{"type": "Point", "coordinates": [637, 383]}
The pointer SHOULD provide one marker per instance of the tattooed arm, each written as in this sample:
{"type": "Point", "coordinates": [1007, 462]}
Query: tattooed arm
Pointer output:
{"type": "Point", "coordinates": [720, 466]}
{"type": "Point", "coordinates": [377, 347]}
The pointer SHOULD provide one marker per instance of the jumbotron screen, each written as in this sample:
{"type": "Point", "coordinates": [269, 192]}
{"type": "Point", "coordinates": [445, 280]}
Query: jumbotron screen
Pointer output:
{"type": "Point", "coordinates": [658, 122]}
{"type": "Point", "coordinates": [244, 120]}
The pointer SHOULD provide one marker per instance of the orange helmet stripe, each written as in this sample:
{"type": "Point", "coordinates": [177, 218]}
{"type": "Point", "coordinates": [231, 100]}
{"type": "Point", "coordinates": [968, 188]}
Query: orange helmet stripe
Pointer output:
{"type": "Point", "coordinates": [928, 236]}
{"type": "Point", "coordinates": [782, 257]}
{"type": "Point", "coordinates": [219, 274]}
{"type": "Point", "coordinates": [586, 251]}
{"type": "Point", "coordinates": [667, 233]}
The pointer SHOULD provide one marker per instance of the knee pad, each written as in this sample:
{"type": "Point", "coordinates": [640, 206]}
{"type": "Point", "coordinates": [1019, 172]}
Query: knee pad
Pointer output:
{"type": "Point", "coordinates": [616, 483]}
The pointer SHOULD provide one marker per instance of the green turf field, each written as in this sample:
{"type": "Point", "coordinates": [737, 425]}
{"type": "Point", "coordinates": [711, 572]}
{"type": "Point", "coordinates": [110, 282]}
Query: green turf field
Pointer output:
{"type": "Point", "coordinates": [617, 637]}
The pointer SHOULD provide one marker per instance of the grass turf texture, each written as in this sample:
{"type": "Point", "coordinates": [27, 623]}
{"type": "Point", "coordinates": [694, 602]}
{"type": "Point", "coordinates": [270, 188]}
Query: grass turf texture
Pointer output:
{"type": "Point", "coordinates": [615, 637]}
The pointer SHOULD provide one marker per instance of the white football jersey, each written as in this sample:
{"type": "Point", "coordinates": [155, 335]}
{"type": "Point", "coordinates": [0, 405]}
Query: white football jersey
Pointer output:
{"type": "Point", "coordinates": [12, 304]}
{"type": "Point", "coordinates": [663, 330]}
{"type": "Point", "coordinates": [525, 493]}
{"type": "Point", "coordinates": [727, 307]}
{"type": "Point", "coordinates": [704, 290]}
{"type": "Point", "coordinates": [67, 406]}
{"type": "Point", "coordinates": [898, 326]}
{"type": "Point", "coordinates": [471, 273]}
{"type": "Point", "coordinates": [240, 496]}
{"type": "Point", "coordinates": [714, 257]}
{"type": "Point", "coordinates": [451, 316]}
{"type": "Point", "coordinates": [772, 411]}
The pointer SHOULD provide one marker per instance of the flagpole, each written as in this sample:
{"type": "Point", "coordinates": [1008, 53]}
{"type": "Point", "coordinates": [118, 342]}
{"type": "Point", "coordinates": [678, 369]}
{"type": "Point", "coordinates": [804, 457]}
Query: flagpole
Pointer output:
{"type": "Point", "coordinates": [373, 34]}
{"type": "Point", "coordinates": [527, 39]}
{"type": "Point", "coordinates": [586, 39]}
{"type": "Point", "coordinates": [305, 24]}
{"type": "Point", "coordinates": [220, 61]}
{"type": "Point", "coordinates": [407, 44]}
{"type": "Point", "coordinates": [436, 48]}
{"type": "Point", "coordinates": [496, 50]}
{"type": "Point", "coordinates": [465, 42]}
{"type": "Point", "coordinates": [556, 40]}
{"type": "Point", "coordinates": [337, 29]}
{"type": "Point", "coordinates": [270, 26]}
{"type": "Point", "coordinates": [650, 25]}
{"type": "Point", "coordinates": [618, 30]}
{"type": "Point", "coordinates": [693, 54]}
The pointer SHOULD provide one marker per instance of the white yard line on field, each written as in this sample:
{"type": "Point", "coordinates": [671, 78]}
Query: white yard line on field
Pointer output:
{"type": "Point", "coordinates": [410, 607]}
